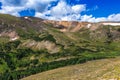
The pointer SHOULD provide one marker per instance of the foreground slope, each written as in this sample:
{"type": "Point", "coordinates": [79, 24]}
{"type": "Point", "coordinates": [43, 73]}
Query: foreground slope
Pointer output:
{"type": "Point", "coordinates": [105, 69]}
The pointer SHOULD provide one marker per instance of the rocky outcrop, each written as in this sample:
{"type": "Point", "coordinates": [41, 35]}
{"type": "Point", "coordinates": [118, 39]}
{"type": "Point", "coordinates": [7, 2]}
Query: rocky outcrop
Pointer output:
{"type": "Point", "coordinates": [73, 26]}
{"type": "Point", "coordinates": [50, 46]}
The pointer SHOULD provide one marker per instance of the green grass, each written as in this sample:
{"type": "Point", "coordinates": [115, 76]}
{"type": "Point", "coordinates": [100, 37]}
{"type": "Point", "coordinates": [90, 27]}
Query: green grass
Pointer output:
{"type": "Point", "coordinates": [4, 39]}
{"type": "Point", "coordinates": [3, 66]}
{"type": "Point", "coordinates": [104, 69]}
{"type": "Point", "coordinates": [9, 19]}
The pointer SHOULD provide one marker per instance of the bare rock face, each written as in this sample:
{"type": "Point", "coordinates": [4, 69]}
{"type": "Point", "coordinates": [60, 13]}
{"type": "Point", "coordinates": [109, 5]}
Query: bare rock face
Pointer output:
{"type": "Point", "coordinates": [50, 46]}
{"type": "Point", "coordinates": [71, 26]}
{"type": "Point", "coordinates": [95, 31]}
{"type": "Point", "coordinates": [11, 34]}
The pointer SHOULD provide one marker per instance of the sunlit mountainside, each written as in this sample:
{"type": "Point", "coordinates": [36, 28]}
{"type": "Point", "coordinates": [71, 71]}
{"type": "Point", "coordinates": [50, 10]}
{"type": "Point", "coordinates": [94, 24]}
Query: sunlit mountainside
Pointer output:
{"type": "Point", "coordinates": [30, 45]}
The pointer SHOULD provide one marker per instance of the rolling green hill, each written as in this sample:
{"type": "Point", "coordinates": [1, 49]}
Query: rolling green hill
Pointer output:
{"type": "Point", "coordinates": [30, 45]}
{"type": "Point", "coordinates": [105, 69]}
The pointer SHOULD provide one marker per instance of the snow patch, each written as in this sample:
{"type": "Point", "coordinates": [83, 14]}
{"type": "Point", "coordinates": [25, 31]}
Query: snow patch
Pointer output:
{"type": "Point", "coordinates": [13, 39]}
{"type": "Point", "coordinates": [26, 17]}
{"type": "Point", "coordinates": [89, 25]}
{"type": "Point", "coordinates": [112, 24]}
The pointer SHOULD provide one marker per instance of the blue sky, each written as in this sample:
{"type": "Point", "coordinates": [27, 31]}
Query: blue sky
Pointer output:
{"type": "Point", "coordinates": [70, 10]}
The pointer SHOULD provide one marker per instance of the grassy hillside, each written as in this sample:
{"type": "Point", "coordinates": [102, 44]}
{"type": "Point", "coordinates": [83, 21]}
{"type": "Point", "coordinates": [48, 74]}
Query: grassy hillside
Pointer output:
{"type": "Point", "coordinates": [105, 69]}
{"type": "Point", "coordinates": [30, 46]}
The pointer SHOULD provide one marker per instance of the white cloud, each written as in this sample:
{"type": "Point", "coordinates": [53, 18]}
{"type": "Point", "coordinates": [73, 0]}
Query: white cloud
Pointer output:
{"type": "Point", "coordinates": [73, 17]}
{"type": "Point", "coordinates": [90, 18]}
{"type": "Point", "coordinates": [114, 17]}
{"type": "Point", "coordinates": [78, 8]}
{"type": "Point", "coordinates": [11, 10]}
{"type": "Point", "coordinates": [15, 6]}
{"type": "Point", "coordinates": [40, 15]}
{"type": "Point", "coordinates": [63, 11]}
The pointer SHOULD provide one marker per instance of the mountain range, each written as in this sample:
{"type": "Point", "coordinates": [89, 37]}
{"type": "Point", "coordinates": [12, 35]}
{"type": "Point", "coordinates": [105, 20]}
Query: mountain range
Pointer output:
{"type": "Point", "coordinates": [30, 45]}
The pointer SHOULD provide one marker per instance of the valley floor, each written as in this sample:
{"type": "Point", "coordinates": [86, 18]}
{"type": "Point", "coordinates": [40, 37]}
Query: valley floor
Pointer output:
{"type": "Point", "coordinates": [104, 69]}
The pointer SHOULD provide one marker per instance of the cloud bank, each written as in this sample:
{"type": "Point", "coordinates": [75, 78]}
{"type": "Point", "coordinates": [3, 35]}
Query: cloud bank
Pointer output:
{"type": "Point", "coordinates": [60, 11]}
{"type": "Point", "coordinates": [63, 11]}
